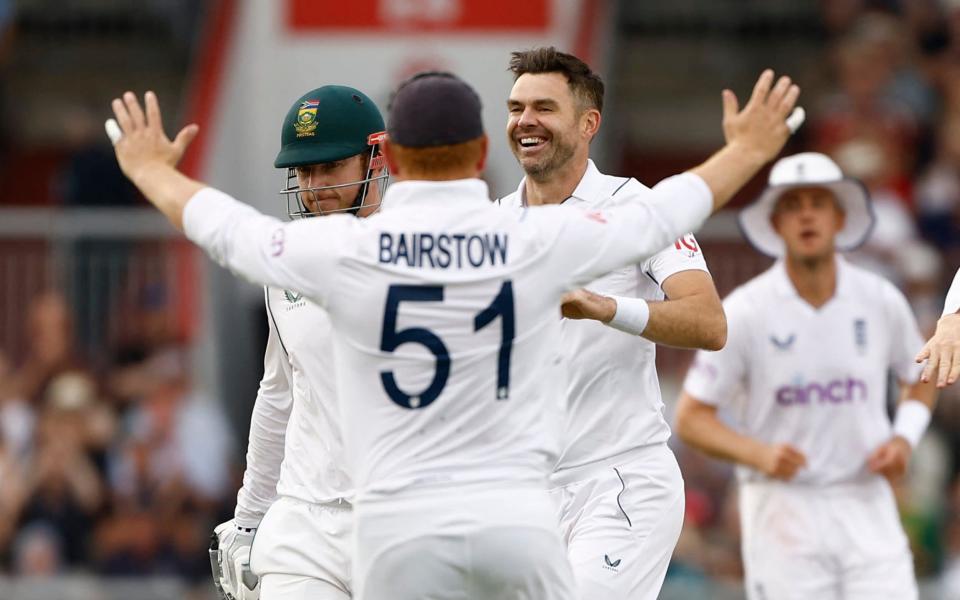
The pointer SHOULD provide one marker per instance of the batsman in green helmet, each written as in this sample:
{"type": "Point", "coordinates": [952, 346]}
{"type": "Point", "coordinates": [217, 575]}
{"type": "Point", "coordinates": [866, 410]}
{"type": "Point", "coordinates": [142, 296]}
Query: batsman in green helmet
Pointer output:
{"type": "Point", "coordinates": [330, 148]}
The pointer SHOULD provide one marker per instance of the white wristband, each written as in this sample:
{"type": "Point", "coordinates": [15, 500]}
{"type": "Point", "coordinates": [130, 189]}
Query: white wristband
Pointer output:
{"type": "Point", "coordinates": [911, 421]}
{"type": "Point", "coordinates": [632, 315]}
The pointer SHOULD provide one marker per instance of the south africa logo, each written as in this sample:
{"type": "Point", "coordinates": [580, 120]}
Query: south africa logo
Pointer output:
{"type": "Point", "coordinates": [306, 124]}
{"type": "Point", "coordinates": [292, 297]}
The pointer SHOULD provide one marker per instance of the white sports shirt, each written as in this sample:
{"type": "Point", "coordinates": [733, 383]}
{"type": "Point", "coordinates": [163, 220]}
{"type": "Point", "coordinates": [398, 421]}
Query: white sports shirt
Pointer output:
{"type": "Point", "coordinates": [613, 394]}
{"type": "Point", "coordinates": [952, 302]}
{"type": "Point", "coordinates": [302, 460]}
{"type": "Point", "coordinates": [444, 312]}
{"type": "Point", "coordinates": [812, 378]}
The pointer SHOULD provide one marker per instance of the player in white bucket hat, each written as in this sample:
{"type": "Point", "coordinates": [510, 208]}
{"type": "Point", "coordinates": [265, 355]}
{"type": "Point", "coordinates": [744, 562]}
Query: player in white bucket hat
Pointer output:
{"type": "Point", "coordinates": [805, 377]}
{"type": "Point", "coordinates": [808, 170]}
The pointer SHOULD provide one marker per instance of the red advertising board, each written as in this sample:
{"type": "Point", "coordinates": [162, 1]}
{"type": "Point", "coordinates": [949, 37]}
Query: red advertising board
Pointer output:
{"type": "Point", "coordinates": [402, 16]}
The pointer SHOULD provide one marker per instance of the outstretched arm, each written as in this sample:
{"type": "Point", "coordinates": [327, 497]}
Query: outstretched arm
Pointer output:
{"type": "Point", "coordinates": [597, 242]}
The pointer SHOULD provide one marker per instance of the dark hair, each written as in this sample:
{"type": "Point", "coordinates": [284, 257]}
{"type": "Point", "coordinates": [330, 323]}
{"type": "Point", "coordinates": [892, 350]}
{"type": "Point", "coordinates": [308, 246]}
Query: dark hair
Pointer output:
{"type": "Point", "coordinates": [584, 83]}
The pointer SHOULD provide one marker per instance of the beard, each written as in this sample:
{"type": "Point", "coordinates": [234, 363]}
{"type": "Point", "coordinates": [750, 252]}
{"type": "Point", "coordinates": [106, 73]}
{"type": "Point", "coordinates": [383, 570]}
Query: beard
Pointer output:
{"type": "Point", "coordinates": [548, 165]}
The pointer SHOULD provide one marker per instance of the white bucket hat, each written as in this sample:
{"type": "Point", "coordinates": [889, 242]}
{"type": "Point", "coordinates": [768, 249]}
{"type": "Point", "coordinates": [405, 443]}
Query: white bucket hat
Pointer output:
{"type": "Point", "coordinates": [808, 169]}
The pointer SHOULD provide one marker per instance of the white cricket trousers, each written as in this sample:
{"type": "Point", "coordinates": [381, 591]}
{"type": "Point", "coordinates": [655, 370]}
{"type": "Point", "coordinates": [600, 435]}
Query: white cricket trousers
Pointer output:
{"type": "Point", "coordinates": [302, 550]}
{"type": "Point", "coordinates": [621, 522]}
{"type": "Point", "coordinates": [467, 544]}
{"type": "Point", "coordinates": [834, 542]}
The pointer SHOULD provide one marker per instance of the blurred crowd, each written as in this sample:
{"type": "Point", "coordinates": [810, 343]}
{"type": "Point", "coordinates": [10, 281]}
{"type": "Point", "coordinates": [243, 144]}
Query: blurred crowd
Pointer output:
{"type": "Point", "coordinates": [890, 116]}
{"type": "Point", "coordinates": [121, 470]}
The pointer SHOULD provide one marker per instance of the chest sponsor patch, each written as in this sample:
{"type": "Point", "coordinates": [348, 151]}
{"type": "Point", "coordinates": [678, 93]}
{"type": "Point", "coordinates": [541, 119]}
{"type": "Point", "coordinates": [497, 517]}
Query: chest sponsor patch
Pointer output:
{"type": "Point", "coordinates": [838, 391]}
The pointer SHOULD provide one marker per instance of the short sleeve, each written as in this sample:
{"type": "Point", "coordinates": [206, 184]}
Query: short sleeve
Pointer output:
{"type": "Point", "coordinates": [684, 254]}
{"type": "Point", "coordinates": [905, 338]}
{"type": "Point", "coordinates": [717, 377]}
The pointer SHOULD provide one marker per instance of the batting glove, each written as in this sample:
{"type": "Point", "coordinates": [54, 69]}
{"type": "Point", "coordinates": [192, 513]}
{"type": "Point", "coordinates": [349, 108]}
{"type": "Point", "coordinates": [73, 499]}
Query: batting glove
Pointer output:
{"type": "Point", "coordinates": [230, 562]}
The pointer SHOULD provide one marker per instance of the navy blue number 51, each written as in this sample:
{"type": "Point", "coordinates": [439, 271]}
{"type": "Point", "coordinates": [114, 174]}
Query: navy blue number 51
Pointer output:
{"type": "Point", "coordinates": [391, 339]}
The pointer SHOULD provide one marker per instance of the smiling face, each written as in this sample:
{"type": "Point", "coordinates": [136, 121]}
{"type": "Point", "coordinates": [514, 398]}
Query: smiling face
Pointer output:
{"type": "Point", "coordinates": [808, 219]}
{"type": "Point", "coordinates": [335, 199]}
{"type": "Point", "coordinates": [548, 126]}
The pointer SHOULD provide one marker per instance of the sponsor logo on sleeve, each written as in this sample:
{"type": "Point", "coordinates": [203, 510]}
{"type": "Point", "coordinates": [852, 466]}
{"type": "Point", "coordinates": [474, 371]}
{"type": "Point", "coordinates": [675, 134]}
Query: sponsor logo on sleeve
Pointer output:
{"type": "Point", "coordinates": [687, 245]}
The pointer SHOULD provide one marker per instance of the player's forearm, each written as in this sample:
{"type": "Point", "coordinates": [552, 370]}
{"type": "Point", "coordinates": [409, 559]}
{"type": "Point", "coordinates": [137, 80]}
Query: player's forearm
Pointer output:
{"type": "Point", "coordinates": [700, 428]}
{"type": "Point", "coordinates": [696, 321]}
{"type": "Point", "coordinates": [728, 170]}
{"type": "Point", "coordinates": [167, 189]}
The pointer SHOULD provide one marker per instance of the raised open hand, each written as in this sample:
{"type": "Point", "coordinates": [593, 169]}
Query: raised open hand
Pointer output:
{"type": "Point", "coordinates": [761, 127]}
{"type": "Point", "coordinates": [142, 142]}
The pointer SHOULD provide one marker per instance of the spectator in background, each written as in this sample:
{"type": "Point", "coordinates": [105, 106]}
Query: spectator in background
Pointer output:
{"type": "Point", "coordinates": [50, 348]}
{"type": "Point", "coordinates": [169, 473]}
{"type": "Point", "coordinates": [65, 489]}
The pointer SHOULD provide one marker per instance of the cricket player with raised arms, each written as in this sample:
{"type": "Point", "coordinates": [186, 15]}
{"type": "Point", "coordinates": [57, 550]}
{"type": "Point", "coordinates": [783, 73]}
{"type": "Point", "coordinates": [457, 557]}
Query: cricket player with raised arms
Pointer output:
{"type": "Point", "coordinates": [618, 484]}
{"type": "Point", "coordinates": [445, 332]}
{"type": "Point", "coordinates": [804, 375]}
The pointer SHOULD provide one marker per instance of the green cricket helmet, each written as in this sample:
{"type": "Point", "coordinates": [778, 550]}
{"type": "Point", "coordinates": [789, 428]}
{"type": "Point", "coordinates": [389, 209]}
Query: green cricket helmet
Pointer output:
{"type": "Point", "coordinates": [326, 125]}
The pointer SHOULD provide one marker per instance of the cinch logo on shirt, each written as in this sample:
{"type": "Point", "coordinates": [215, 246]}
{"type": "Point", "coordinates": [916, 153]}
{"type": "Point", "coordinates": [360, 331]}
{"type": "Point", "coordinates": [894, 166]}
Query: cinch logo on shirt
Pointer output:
{"type": "Point", "coordinates": [443, 251]}
{"type": "Point", "coordinates": [835, 392]}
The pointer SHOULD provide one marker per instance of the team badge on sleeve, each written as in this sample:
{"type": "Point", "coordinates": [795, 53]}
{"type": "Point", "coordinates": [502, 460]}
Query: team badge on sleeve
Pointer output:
{"type": "Point", "coordinates": [306, 123]}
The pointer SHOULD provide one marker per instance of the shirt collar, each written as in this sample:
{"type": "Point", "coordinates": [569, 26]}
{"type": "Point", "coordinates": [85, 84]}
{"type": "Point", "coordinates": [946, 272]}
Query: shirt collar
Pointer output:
{"type": "Point", "coordinates": [589, 189]}
{"type": "Point", "coordinates": [785, 287]}
{"type": "Point", "coordinates": [403, 193]}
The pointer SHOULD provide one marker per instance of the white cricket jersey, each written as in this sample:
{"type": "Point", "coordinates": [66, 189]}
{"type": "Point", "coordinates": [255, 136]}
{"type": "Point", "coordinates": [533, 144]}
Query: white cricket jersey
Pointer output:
{"type": "Point", "coordinates": [444, 312]}
{"type": "Point", "coordinates": [613, 395]}
{"type": "Point", "coordinates": [295, 447]}
{"type": "Point", "coordinates": [813, 378]}
{"type": "Point", "coordinates": [952, 302]}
